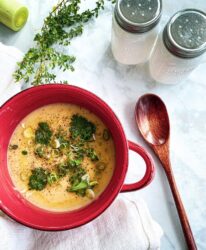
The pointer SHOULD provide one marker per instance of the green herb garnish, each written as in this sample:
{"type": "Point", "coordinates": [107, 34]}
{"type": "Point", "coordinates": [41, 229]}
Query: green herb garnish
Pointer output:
{"type": "Point", "coordinates": [64, 143]}
{"type": "Point", "coordinates": [64, 23]}
{"type": "Point", "coordinates": [78, 150]}
{"type": "Point", "coordinates": [91, 153]}
{"type": "Point", "coordinates": [62, 170]}
{"type": "Point", "coordinates": [72, 149]}
{"type": "Point", "coordinates": [81, 184]}
{"type": "Point", "coordinates": [52, 178]}
{"type": "Point", "coordinates": [24, 152]}
{"type": "Point", "coordinates": [74, 163]}
{"type": "Point", "coordinates": [43, 133]}
{"type": "Point", "coordinates": [81, 128]}
{"type": "Point", "coordinates": [76, 178]}
{"type": "Point", "coordinates": [39, 151]}
{"type": "Point", "coordinates": [38, 179]}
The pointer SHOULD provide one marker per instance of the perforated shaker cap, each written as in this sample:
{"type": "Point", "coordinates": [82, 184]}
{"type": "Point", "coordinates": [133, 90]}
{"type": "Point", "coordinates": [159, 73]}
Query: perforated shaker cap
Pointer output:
{"type": "Point", "coordinates": [185, 33]}
{"type": "Point", "coordinates": [138, 16]}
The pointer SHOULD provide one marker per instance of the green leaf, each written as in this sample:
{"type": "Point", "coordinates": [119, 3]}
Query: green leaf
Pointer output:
{"type": "Point", "coordinates": [52, 178]}
{"type": "Point", "coordinates": [82, 128]}
{"type": "Point", "coordinates": [62, 170]}
{"type": "Point", "coordinates": [38, 179]}
{"type": "Point", "coordinates": [43, 133]}
{"type": "Point", "coordinates": [91, 153]}
{"type": "Point", "coordinates": [74, 163]}
{"type": "Point", "coordinates": [81, 185]}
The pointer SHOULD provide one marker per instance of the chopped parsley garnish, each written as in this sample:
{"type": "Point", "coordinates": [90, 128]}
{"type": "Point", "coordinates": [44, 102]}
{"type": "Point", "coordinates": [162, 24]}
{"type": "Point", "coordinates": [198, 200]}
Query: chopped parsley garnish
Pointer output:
{"type": "Point", "coordinates": [81, 128]}
{"type": "Point", "coordinates": [80, 188]}
{"type": "Point", "coordinates": [91, 153]}
{"type": "Point", "coordinates": [74, 163]}
{"type": "Point", "coordinates": [43, 133]}
{"type": "Point", "coordinates": [80, 183]}
{"type": "Point", "coordinates": [78, 150]}
{"type": "Point", "coordinates": [62, 170]}
{"type": "Point", "coordinates": [64, 143]}
{"type": "Point", "coordinates": [69, 149]}
{"type": "Point", "coordinates": [38, 179]}
{"type": "Point", "coordinates": [76, 178]}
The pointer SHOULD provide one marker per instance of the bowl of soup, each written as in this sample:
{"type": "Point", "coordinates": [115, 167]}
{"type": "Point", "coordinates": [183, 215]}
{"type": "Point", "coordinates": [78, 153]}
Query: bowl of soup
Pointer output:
{"type": "Point", "coordinates": [63, 157]}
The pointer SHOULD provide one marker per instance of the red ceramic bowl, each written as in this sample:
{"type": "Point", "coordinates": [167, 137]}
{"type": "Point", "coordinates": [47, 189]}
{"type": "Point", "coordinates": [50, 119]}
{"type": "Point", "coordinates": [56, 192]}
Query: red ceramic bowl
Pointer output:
{"type": "Point", "coordinates": [12, 202]}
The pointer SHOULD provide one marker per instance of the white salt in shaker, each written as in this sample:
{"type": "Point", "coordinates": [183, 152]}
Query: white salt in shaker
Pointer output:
{"type": "Point", "coordinates": [135, 30]}
{"type": "Point", "coordinates": [180, 47]}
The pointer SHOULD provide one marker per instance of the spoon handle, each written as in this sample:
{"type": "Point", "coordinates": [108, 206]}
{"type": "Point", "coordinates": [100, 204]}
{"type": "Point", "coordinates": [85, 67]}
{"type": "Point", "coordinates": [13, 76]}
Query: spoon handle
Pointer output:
{"type": "Point", "coordinates": [163, 153]}
{"type": "Point", "coordinates": [182, 213]}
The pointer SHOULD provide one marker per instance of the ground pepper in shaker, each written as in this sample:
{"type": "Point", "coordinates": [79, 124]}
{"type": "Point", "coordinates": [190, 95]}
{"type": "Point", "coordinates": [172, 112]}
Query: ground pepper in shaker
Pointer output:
{"type": "Point", "coordinates": [180, 47]}
{"type": "Point", "coordinates": [135, 30]}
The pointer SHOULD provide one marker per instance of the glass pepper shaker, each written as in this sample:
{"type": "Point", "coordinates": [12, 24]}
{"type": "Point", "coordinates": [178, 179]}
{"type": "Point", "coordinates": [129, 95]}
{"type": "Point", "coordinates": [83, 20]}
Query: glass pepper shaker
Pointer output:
{"type": "Point", "coordinates": [180, 47]}
{"type": "Point", "coordinates": [135, 30]}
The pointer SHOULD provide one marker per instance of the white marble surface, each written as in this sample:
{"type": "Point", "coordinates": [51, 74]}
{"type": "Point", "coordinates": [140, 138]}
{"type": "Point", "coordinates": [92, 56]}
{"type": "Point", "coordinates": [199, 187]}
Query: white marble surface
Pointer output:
{"type": "Point", "coordinates": [120, 86]}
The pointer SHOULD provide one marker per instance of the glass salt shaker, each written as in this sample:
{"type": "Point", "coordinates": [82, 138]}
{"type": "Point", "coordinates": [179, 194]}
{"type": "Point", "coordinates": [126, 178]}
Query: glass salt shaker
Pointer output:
{"type": "Point", "coordinates": [180, 48]}
{"type": "Point", "coordinates": [135, 30]}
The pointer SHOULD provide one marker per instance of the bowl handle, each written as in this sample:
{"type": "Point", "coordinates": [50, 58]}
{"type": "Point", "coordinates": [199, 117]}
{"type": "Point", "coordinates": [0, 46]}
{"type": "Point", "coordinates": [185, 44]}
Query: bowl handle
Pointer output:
{"type": "Point", "coordinates": [150, 170]}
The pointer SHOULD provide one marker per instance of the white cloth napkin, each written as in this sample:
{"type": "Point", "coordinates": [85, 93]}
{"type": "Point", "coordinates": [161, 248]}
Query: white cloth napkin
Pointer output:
{"type": "Point", "coordinates": [125, 225]}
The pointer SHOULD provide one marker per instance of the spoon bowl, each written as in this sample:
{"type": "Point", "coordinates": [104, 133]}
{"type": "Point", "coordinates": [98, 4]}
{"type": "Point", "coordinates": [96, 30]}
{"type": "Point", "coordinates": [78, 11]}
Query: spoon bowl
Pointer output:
{"type": "Point", "coordinates": [152, 119]}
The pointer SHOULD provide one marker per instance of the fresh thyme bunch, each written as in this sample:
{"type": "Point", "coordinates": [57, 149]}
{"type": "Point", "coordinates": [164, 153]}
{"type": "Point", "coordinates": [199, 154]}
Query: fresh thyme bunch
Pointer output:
{"type": "Point", "coordinates": [63, 24]}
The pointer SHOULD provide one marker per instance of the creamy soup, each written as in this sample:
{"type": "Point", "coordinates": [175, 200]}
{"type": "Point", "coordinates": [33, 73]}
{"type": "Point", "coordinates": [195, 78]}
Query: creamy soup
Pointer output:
{"type": "Point", "coordinates": [61, 157]}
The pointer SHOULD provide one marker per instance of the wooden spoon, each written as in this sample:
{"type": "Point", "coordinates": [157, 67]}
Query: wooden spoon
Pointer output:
{"type": "Point", "coordinates": [153, 123]}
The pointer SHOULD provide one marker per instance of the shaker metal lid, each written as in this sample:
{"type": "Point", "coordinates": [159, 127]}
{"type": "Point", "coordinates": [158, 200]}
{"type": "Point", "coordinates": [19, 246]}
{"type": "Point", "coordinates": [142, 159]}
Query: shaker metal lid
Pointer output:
{"type": "Point", "coordinates": [185, 33]}
{"type": "Point", "coordinates": [138, 16]}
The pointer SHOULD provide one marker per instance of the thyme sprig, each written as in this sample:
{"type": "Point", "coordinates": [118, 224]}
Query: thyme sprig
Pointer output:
{"type": "Point", "coordinates": [64, 23]}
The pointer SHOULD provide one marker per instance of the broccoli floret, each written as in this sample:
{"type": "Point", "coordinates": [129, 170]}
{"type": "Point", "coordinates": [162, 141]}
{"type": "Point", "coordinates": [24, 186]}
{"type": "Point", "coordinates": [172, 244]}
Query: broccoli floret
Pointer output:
{"type": "Point", "coordinates": [43, 133]}
{"type": "Point", "coordinates": [80, 182]}
{"type": "Point", "coordinates": [71, 165]}
{"type": "Point", "coordinates": [81, 185]}
{"type": "Point", "coordinates": [38, 179]}
{"type": "Point", "coordinates": [82, 128]}
{"type": "Point", "coordinates": [76, 178]}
